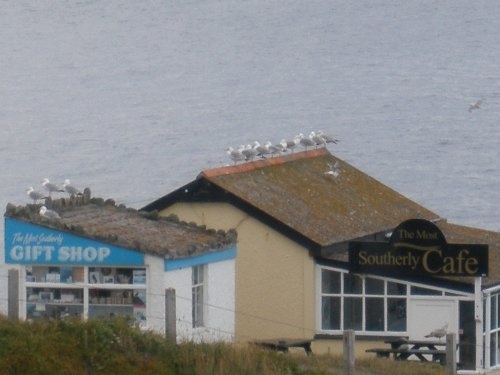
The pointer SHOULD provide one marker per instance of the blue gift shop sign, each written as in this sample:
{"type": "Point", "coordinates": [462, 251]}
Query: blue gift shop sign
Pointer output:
{"type": "Point", "coordinates": [33, 244]}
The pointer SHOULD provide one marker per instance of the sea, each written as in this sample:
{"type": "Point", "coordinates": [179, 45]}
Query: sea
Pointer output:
{"type": "Point", "coordinates": [134, 99]}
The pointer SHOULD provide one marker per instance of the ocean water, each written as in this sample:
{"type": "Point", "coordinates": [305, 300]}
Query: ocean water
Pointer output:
{"type": "Point", "coordinates": [134, 98]}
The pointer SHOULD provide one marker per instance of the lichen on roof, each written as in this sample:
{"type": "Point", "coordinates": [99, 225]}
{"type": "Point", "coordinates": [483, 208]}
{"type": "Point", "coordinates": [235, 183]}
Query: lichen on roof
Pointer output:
{"type": "Point", "coordinates": [297, 190]}
{"type": "Point", "coordinates": [103, 220]}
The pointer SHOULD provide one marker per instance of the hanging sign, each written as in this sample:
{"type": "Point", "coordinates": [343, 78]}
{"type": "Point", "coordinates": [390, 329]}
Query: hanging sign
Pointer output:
{"type": "Point", "coordinates": [418, 247]}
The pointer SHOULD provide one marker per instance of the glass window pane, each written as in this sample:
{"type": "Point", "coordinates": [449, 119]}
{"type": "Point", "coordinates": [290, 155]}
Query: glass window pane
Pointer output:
{"type": "Point", "coordinates": [415, 290]}
{"type": "Point", "coordinates": [330, 313]}
{"type": "Point", "coordinates": [330, 282]}
{"type": "Point", "coordinates": [396, 314]}
{"type": "Point", "coordinates": [374, 312]}
{"type": "Point", "coordinates": [374, 286]}
{"type": "Point", "coordinates": [353, 313]}
{"type": "Point", "coordinates": [396, 289]}
{"type": "Point", "coordinates": [353, 284]}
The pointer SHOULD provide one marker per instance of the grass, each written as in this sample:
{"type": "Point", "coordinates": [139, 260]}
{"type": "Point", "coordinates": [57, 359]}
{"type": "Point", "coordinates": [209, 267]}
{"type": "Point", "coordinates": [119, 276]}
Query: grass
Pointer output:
{"type": "Point", "coordinates": [73, 347]}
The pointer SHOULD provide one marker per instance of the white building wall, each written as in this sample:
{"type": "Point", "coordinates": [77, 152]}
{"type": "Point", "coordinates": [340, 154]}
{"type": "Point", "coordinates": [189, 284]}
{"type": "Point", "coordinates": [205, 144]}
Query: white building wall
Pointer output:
{"type": "Point", "coordinates": [219, 302]}
{"type": "Point", "coordinates": [155, 295]}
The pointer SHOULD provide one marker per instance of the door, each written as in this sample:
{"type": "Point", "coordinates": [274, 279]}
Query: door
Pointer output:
{"type": "Point", "coordinates": [426, 315]}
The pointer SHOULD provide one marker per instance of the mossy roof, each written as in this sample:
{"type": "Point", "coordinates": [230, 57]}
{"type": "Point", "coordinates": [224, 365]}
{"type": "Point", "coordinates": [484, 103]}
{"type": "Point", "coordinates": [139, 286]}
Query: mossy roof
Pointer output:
{"type": "Point", "coordinates": [296, 190]}
{"type": "Point", "coordinates": [126, 227]}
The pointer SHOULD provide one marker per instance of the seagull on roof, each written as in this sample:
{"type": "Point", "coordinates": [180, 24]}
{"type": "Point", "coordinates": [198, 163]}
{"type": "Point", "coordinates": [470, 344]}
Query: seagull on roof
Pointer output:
{"type": "Point", "coordinates": [249, 152]}
{"type": "Point", "coordinates": [275, 149]}
{"type": "Point", "coordinates": [50, 214]}
{"type": "Point", "coordinates": [50, 187]}
{"type": "Point", "coordinates": [475, 105]}
{"type": "Point", "coordinates": [262, 150]}
{"type": "Point", "coordinates": [69, 188]}
{"type": "Point", "coordinates": [306, 142]}
{"type": "Point", "coordinates": [290, 145]}
{"type": "Point", "coordinates": [334, 169]}
{"type": "Point", "coordinates": [327, 138]}
{"type": "Point", "coordinates": [35, 195]}
{"type": "Point", "coordinates": [317, 139]}
{"type": "Point", "coordinates": [236, 155]}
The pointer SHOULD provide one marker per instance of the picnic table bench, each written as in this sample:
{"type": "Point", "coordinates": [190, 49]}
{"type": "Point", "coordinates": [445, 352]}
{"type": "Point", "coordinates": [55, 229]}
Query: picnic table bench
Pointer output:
{"type": "Point", "coordinates": [402, 349]}
{"type": "Point", "coordinates": [282, 345]}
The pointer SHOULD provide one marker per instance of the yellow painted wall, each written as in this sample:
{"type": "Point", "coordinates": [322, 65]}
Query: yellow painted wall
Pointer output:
{"type": "Point", "coordinates": [274, 276]}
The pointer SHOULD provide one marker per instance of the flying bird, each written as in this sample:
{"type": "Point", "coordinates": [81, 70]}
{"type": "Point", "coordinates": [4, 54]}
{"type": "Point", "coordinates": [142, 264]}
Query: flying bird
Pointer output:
{"type": "Point", "coordinates": [50, 214]}
{"type": "Point", "coordinates": [475, 105]}
{"type": "Point", "coordinates": [50, 187]}
{"type": "Point", "coordinates": [334, 169]}
{"type": "Point", "coordinates": [439, 332]}
{"type": "Point", "coordinates": [70, 189]}
{"type": "Point", "coordinates": [35, 195]}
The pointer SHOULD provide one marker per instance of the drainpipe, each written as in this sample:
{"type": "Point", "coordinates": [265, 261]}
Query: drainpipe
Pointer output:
{"type": "Point", "coordinates": [478, 314]}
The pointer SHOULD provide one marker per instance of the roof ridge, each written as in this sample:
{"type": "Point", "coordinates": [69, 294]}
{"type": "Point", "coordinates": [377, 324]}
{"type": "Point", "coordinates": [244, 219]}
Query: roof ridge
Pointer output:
{"type": "Point", "coordinates": [257, 164]}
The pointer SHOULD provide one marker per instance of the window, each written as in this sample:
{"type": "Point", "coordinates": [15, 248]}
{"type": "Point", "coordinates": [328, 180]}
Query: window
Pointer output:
{"type": "Point", "coordinates": [87, 292]}
{"type": "Point", "coordinates": [362, 303]}
{"type": "Point", "coordinates": [198, 280]}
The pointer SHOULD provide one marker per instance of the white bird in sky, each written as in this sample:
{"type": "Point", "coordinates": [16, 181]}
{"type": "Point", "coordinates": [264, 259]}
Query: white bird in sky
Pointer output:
{"type": "Point", "coordinates": [33, 194]}
{"type": "Point", "coordinates": [50, 187]}
{"type": "Point", "coordinates": [439, 332]}
{"type": "Point", "coordinates": [475, 105]}
{"type": "Point", "coordinates": [50, 214]}
{"type": "Point", "coordinates": [70, 189]}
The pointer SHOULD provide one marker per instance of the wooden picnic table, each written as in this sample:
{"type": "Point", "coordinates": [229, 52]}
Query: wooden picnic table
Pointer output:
{"type": "Point", "coordinates": [402, 349]}
{"type": "Point", "coordinates": [282, 345]}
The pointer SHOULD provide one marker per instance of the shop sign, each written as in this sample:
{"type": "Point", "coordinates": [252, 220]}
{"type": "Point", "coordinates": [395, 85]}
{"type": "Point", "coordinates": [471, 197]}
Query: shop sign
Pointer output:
{"type": "Point", "coordinates": [418, 247]}
{"type": "Point", "coordinates": [33, 244]}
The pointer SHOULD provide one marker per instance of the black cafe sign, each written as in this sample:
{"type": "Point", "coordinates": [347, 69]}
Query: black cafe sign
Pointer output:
{"type": "Point", "coordinates": [418, 247]}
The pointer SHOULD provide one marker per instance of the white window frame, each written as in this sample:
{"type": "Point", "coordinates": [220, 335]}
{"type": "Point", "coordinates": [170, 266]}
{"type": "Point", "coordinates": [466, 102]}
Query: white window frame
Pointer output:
{"type": "Point", "coordinates": [437, 292]}
{"type": "Point", "coordinates": [198, 293]}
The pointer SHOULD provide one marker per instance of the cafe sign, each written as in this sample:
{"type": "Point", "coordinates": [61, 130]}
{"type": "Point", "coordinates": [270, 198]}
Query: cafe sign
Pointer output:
{"type": "Point", "coordinates": [418, 247]}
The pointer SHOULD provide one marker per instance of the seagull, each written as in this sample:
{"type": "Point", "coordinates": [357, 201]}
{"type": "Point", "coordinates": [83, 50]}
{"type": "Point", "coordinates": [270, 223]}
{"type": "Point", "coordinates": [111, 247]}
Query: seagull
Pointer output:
{"type": "Point", "coordinates": [475, 105]}
{"type": "Point", "coordinates": [439, 332]}
{"type": "Point", "coordinates": [334, 169]}
{"type": "Point", "coordinates": [249, 152]}
{"type": "Point", "coordinates": [327, 138]}
{"type": "Point", "coordinates": [290, 145]}
{"type": "Point", "coordinates": [45, 212]}
{"type": "Point", "coordinates": [317, 139]}
{"type": "Point", "coordinates": [275, 149]}
{"type": "Point", "coordinates": [306, 142]}
{"type": "Point", "coordinates": [70, 189]}
{"type": "Point", "coordinates": [50, 187]}
{"type": "Point", "coordinates": [236, 155]}
{"type": "Point", "coordinates": [33, 194]}
{"type": "Point", "coordinates": [262, 150]}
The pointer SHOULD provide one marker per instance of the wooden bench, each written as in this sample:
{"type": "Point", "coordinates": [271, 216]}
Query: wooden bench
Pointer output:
{"type": "Point", "coordinates": [282, 345]}
{"type": "Point", "coordinates": [404, 354]}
